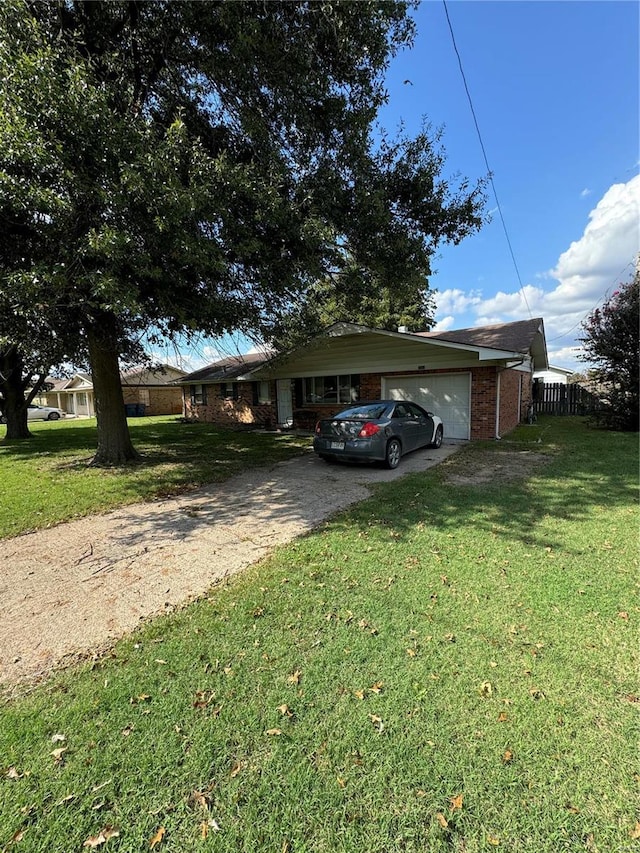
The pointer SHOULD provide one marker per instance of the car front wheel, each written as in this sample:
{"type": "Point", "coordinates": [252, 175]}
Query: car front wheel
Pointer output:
{"type": "Point", "coordinates": [437, 440]}
{"type": "Point", "coordinates": [393, 454]}
{"type": "Point", "coordinates": [53, 416]}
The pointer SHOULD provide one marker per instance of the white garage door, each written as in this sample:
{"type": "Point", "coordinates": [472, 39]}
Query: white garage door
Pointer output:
{"type": "Point", "coordinates": [446, 395]}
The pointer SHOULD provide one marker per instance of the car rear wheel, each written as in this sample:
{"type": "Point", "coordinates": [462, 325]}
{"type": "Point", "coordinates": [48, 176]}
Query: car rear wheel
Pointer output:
{"type": "Point", "coordinates": [393, 454]}
{"type": "Point", "coordinates": [53, 416]}
{"type": "Point", "coordinates": [437, 441]}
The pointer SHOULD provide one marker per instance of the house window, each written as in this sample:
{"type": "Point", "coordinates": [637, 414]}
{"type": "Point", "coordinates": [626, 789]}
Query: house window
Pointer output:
{"type": "Point", "coordinates": [332, 389]}
{"type": "Point", "coordinates": [82, 399]}
{"type": "Point", "coordinates": [198, 395]}
{"type": "Point", "coordinates": [228, 390]}
{"type": "Point", "coordinates": [261, 393]}
{"type": "Point", "coordinates": [264, 394]}
{"type": "Point", "coordinates": [144, 395]}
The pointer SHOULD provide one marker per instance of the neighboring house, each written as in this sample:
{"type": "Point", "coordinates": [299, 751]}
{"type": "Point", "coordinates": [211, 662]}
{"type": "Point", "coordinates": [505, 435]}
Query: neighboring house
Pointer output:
{"type": "Point", "coordinates": [74, 395]}
{"type": "Point", "coordinates": [155, 389]}
{"type": "Point", "coordinates": [553, 375]}
{"type": "Point", "coordinates": [477, 380]}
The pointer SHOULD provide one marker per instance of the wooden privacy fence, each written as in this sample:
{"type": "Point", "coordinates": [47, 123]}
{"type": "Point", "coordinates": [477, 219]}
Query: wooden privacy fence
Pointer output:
{"type": "Point", "coordinates": [559, 399]}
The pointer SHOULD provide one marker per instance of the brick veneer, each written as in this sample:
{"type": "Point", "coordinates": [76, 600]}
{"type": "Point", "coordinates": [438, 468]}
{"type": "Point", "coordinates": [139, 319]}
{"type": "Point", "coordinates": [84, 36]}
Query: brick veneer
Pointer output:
{"type": "Point", "coordinates": [232, 413]}
{"type": "Point", "coordinates": [483, 396]}
{"type": "Point", "coordinates": [484, 388]}
{"type": "Point", "coordinates": [512, 410]}
{"type": "Point", "coordinates": [162, 401]}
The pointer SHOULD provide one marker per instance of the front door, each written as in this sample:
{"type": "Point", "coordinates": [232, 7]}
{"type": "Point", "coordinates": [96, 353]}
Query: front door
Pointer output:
{"type": "Point", "coordinates": [285, 402]}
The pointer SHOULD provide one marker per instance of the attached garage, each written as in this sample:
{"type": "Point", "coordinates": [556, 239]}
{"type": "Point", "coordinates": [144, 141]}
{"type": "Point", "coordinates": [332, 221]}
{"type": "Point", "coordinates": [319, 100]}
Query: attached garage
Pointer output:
{"type": "Point", "coordinates": [477, 380]}
{"type": "Point", "coordinates": [447, 395]}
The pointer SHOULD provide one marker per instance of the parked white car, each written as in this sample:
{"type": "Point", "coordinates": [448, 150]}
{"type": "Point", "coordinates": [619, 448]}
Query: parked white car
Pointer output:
{"type": "Point", "coordinates": [41, 413]}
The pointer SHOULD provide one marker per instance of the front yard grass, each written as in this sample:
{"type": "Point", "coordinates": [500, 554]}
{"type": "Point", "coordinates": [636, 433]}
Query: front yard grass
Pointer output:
{"type": "Point", "coordinates": [47, 479]}
{"type": "Point", "coordinates": [442, 669]}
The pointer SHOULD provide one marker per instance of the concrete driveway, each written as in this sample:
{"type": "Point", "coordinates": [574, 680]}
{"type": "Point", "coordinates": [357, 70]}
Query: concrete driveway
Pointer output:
{"type": "Point", "coordinates": [75, 588]}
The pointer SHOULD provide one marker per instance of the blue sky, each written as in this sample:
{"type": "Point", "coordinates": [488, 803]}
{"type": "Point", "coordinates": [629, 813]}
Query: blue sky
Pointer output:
{"type": "Point", "coordinates": [555, 89]}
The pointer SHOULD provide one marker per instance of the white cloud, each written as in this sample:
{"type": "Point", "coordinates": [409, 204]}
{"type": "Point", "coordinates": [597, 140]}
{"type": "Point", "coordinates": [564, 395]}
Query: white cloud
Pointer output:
{"type": "Point", "coordinates": [457, 301]}
{"type": "Point", "coordinates": [445, 324]}
{"type": "Point", "coordinates": [585, 192]}
{"type": "Point", "coordinates": [610, 241]}
{"type": "Point", "coordinates": [584, 276]}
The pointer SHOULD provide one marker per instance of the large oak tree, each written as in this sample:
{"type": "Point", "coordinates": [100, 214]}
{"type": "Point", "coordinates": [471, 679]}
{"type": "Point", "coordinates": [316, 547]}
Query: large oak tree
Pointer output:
{"type": "Point", "coordinates": [193, 167]}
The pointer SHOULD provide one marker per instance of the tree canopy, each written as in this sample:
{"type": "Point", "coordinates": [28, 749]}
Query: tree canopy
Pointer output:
{"type": "Point", "coordinates": [611, 342]}
{"type": "Point", "coordinates": [194, 167]}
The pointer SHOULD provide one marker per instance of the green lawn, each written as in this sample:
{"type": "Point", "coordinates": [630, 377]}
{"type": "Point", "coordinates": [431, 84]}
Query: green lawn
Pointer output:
{"type": "Point", "coordinates": [48, 479]}
{"type": "Point", "coordinates": [442, 669]}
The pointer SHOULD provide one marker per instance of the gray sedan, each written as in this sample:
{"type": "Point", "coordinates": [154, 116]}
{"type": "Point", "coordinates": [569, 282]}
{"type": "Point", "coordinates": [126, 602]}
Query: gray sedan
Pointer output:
{"type": "Point", "coordinates": [382, 430]}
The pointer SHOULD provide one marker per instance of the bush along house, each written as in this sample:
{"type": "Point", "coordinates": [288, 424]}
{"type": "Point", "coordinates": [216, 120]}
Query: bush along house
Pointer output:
{"type": "Point", "coordinates": [478, 380]}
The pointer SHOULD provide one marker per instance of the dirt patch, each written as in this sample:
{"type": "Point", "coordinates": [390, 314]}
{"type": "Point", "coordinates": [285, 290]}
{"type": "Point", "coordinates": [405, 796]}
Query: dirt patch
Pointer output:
{"type": "Point", "coordinates": [499, 466]}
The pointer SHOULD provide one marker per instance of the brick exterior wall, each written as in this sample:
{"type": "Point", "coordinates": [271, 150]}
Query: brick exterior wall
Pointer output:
{"type": "Point", "coordinates": [162, 401]}
{"type": "Point", "coordinates": [234, 414]}
{"type": "Point", "coordinates": [484, 392]}
{"type": "Point", "coordinates": [484, 389]}
{"type": "Point", "coordinates": [509, 401]}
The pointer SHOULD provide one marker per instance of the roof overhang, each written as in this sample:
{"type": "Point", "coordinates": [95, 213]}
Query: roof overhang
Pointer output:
{"type": "Point", "coordinates": [416, 349]}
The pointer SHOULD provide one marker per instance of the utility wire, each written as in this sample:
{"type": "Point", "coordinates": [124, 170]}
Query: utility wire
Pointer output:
{"type": "Point", "coordinates": [486, 159]}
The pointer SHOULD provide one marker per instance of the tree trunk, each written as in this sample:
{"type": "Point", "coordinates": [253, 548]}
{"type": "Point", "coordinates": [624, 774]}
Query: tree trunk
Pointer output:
{"type": "Point", "coordinates": [114, 441]}
{"type": "Point", "coordinates": [12, 387]}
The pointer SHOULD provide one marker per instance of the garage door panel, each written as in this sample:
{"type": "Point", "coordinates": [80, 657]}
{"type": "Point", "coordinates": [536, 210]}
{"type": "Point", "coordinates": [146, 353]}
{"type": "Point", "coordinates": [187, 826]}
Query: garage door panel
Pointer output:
{"type": "Point", "coordinates": [446, 395]}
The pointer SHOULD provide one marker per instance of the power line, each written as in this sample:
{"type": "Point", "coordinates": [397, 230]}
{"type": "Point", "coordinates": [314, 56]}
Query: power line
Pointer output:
{"type": "Point", "coordinates": [486, 159]}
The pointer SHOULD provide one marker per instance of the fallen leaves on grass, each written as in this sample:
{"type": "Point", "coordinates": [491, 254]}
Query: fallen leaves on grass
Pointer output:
{"type": "Point", "coordinates": [486, 689]}
{"type": "Point", "coordinates": [17, 836]}
{"type": "Point", "coordinates": [202, 698]}
{"type": "Point", "coordinates": [13, 774]}
{"type": "Point", "coordinates": [58, 754]}
{"type": "Point", "coordinates": [157, 838]}
{"type": "Point", "coordinates": [444, 823]}
{"type": "Point", "coordinates": [377, 722]}
{"type": "Point", "coordinates": [294, 678]}
{"type": "Point", "coordinates": [238, 767]}
{"type": "Point", "coordinates": [456, 802]}
{"type": "Point", "coordinates": [507, 756]}
{"type": "Point", "coordinates": [635, 832]}
{"type": "Point", "coordinates": [198, 798]}
{"type": "Point", "coordinates": [206, 825]}
{"type": "Point", "coordinates": [101, 838]}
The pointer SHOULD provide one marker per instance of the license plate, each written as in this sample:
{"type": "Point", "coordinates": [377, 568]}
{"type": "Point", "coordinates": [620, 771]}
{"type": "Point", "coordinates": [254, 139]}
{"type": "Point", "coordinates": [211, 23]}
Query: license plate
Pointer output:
{"type": "Point", "coordinates": [337, 445]}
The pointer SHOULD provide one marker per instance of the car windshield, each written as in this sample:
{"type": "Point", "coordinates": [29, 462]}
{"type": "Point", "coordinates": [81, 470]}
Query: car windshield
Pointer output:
{"type": "Point", "coordinates": [370, 412]}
